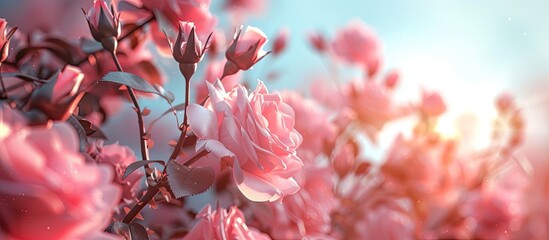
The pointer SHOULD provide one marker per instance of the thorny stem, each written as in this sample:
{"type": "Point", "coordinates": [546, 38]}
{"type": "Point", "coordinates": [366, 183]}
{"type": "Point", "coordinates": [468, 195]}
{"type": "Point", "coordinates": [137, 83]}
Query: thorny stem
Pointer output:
{"type": "Point", "coordinates": [4, 91]}
{"type": "Point", "coordinates": [153, 190]}
{"type": "Point", "coordinates": [142, 129]}
{"type": "Point", "coordinates": [185, 125]}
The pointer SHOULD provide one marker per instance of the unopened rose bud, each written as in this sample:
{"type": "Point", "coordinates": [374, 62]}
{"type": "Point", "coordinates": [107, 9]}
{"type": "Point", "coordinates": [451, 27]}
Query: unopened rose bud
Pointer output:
{"type": "Point", "coordinates": [187, 49]}
{"type": "Point", "coordinates": [504, 102]}
{"type": "Point", "coordinates": [5, 37]}
{"type": "Point", "coordinates": [432, 104]}
{"type": "Point", "coordinates": [245, 50]}
{"type": "Point", "coordinates": [280, 41]}
{"type": "Point", "coordinates": [104, 24]}
{"type": "Point", "coordinates": [59, 97]}
{"type": "Point", "coordinates": [318, 41]}
{"type": "Point", "coordinates": [391, 79]}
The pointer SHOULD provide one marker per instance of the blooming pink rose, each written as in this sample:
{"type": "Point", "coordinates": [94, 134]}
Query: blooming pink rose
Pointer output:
{"type": "Point", "coordinates": [255, 135]}
{"type": "Point", "coordinates": [245, 50]}
{"type": "Point", "coordinates": [196, 11]}
{"type": "Point", "coordinates": [222, 224]}
{"type": "Point", "coordinates": [47, 191]}
{"type": "Point", "coordinates": [432, 104]}
{"type": "Point", "coordinates": [213, 71]}
{"type": "Point", "coordinates": [358, 44]}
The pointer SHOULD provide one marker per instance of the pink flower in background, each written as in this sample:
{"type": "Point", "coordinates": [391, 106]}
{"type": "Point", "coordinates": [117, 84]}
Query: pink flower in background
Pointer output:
{"type": "Point", "coordinates": [281, 41]}
{"type": "Point", "coordinates": [318, 41]}
{"type": "Point", "coordinates": [505, 102]}
{"type": "Point", "coordinates": [373, 103]}
{"type": "Point", "coordinates": [255, 135]}
{"type": "Point", "coordinates": [306, 214]}
{"type": "Point", "coordinates": [222, 224]}
{"type": "Point", "coordinates": [432, 104]}
{"type": "Point", "coordinates": [214, 70]}
{"type": "Point", "coordinates": [47, 191]}
{"type": "Point", "coordinates": [119, 157]}
{"type": "Point", "coordinates": [358, 44]}
{"type": "Point", "coordinates": [245, 50]}
{"type": "Point", "coordinates": [239, 10]}
{"type": "Point", "coordinates": [382, 222]}
{"type": "Point", "coordinates": [196, 11]}
{"type": "Point", "coordinates": [67, 83]}
{"type": "Point", "coordinates": [311, 122]}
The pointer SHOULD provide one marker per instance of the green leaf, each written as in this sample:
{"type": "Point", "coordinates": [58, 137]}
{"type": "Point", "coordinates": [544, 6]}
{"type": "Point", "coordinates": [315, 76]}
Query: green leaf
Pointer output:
{"type": "Point", "coordinates": [185, 181]}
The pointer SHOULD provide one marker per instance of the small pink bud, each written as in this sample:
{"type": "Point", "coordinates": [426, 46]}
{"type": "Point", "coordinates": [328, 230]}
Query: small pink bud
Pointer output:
{"type": "Point", "coordinates": [318, 41]}
{"type": "Point", "coordinates": [246, 49]}
{"type": "Point", "coordinates": [5, 37]}
{"type": "Point", "coordinates": [504, 102]}
{"type": "Point", "coordinates": [281, 41]}
{"type": "Point", "coordinates": [104, 23]}
{"type": "Point", "coordinates": [391, 79]}
{"type": "Point", "coordinates": [187, 49]}
{"type": "Point", "coordinates": [432, 104]}
{"type": "Point", "coordinates": [59, 97]}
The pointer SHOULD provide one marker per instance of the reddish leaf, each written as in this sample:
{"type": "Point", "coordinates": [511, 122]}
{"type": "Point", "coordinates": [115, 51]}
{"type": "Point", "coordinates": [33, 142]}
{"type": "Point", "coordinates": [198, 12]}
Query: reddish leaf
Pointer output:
{"type": "Point", "coordinates": [185, 181]}
{"type": "Point", "coordinates": [138, 232]}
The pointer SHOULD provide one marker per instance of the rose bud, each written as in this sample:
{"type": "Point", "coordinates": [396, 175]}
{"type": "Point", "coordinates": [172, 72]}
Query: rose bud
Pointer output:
{"type": "Point", "coordinates": [245, 50]}
{"type": "Point", "coordinates": [504, 102]}
{"type": "Point", "coordinates": [318, 41]}
{"type": "Point", "coordinates": [5, 39]}
{"type": "Point", "coordinates": [59, 97]}
{"type": "Point", "coordinates": [391, 79]}
{"type": "Point", "coordinates": [281, 41]}
{"type": "Point", "coordinates": [432, 104]}
{"type": "Point", "coordinates": [187, 49]}
{"type": "Point", "coordinates": [104, 24]}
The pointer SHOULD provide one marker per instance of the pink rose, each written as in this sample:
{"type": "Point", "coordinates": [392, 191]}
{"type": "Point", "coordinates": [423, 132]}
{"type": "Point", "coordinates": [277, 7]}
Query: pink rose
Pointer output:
{"type": "Point", "coordinates": [5, 38]}
{"type": "Point", "coordinates": [196, 11]}
{"type": "Point", "coordinates": [245, 50]}
{"type": "Point", "coordinates": [385, 222]}
{"type": "Point", "coordinates": [296, 217]}
{"type": "Point", "coordinates": [432, 104]}
{"type": "Point", "coordinates": [104, 24]}
{"type": "Point", "coordinates": [239, 10]}
{"type": "Point", "coordinates": [281, 41]}
{"type": "Point", "coordinates": [187, 48]}
{"type": "Point", "coordinates": [358, 44]}
{"type": "Point", "coordinates": [504, 102]}
{"type": "Point", "coordinates": [222, 224]}
{"type": "Point", "coordinates": [47, 191]}
{"type": "Point", "coordinates": [318, 41]}
{"type": "Point", "coordinates": [255, 135]}
{"type": "Point", "coordinates": [119, 157]}
{"type": "Point", "coordinates": [59, 97]}
{"type": "Point", "coordinates": [373, 103]}
{"type": "Point", "coordinates": [311, 122]}
{"type": "Point", "coordinates": [213, 71]}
